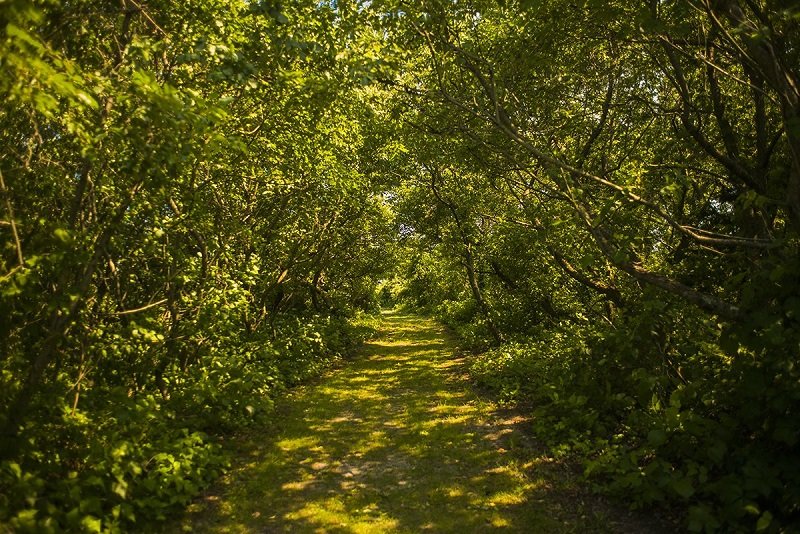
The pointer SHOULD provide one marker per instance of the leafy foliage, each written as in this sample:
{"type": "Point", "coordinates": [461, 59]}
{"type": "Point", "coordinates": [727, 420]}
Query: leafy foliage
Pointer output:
{"type": "Point", "coordinates": [604, 197]}
{"type": "Point", "coordinates": [195, 200]}
{"type": "Point", "coordinates": [188, 229]}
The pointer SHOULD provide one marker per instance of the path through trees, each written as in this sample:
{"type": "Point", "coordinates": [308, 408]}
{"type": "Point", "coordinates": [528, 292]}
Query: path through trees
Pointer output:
{"type": "Point", "coordinates": [397, 441]}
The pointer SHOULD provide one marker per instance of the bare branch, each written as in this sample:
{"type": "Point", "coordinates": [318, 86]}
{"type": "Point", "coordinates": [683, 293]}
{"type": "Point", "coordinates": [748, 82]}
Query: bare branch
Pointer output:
{"type": "Point", "coordinates": [141, 309]}
{"type": "Point", "coordinates": [10, 210]}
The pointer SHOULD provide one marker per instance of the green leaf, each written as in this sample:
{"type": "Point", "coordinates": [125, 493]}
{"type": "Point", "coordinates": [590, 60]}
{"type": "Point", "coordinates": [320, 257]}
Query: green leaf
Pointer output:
{"type": "Point", "coordinates": [683, 487]}
{"type": "Point", "coordinates": [16, 32]}
{"type": "Point", "coordinates": [92, 524]}
{"type": "Point", "coordinates": [701, 517]}
{"type": "Point", "coordinates": [120, 488]}
{"type": "Point", "coordinates": [656, 437]}
{"type": "Point", "coordinates": [764, 522]}
{"type": "Point", "coordinates": [87, 99]}
{"type": "Point", "coordinates": [15, 469]}
{"type": "Point", "coordinates": [62, 235]}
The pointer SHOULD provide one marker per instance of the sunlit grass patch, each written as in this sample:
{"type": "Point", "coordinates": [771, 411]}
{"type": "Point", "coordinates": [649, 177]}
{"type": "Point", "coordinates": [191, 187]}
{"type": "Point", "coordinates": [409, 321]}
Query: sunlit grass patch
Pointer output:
{"type": "Point", "coordinates": [454, 491]}
{"type": "Point", "coordinates": [391, 344]}
{"type": "Point", "coordinates": [304, 442]}
{"type": "Point", "coordinates": [504, 498]}
{"type": "Point", "coordinates": [498, 521]}
{"type": "Point", "coordinates": [299, 485]}
{"type": "Point", "coordinates": [443, 422]}
{"type": "Point", "coordinates": [334, 514]}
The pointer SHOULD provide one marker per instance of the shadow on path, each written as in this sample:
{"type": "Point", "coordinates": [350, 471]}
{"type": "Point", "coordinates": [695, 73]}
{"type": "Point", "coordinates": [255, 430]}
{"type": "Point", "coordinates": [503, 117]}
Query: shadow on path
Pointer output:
{"type": "Point", "coordinates": [397, 442]}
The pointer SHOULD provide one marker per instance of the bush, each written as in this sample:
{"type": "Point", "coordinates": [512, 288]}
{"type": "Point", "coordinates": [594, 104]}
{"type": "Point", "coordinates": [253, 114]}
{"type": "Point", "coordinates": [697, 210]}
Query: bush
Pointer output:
{"type": "Point", "coordinates": [127, 458]}
{"type": "Point", "coordinates": [662, 420]}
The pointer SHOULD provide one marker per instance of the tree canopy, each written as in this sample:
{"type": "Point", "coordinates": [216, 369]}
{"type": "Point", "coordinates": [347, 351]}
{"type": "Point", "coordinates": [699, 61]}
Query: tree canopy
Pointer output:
{"type": "Point", "coordinates": [198, 201]}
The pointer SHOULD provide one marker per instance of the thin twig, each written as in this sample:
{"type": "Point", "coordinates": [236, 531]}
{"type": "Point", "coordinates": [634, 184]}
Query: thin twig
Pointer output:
{"type": "Point", "coordinates": [10, 210]}
{"type": "Point", "coordinates": [143, 308]}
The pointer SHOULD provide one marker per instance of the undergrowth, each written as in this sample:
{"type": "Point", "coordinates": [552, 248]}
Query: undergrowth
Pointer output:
{"type": "Point", "coordinates": [124, 458]}
{"type": "Point", "coordinates": [660, 420]}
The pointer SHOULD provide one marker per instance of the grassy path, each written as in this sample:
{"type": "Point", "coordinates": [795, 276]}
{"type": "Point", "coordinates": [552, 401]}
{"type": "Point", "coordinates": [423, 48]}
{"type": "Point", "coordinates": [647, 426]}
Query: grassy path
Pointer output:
{"type": "Point", "coordinates": [396, 441]}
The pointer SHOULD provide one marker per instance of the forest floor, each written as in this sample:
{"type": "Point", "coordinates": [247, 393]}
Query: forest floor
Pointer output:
{"type": "Point", "coordinates": [397, 440]}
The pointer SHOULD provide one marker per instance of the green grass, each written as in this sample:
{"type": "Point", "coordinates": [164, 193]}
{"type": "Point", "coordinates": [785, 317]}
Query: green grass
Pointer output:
{"type": "Point", "coordinates": [397, 441]}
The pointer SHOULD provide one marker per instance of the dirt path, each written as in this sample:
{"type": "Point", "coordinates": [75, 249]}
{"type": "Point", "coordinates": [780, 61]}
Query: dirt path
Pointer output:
{"type": "Point", "coordinates": [397, 441]}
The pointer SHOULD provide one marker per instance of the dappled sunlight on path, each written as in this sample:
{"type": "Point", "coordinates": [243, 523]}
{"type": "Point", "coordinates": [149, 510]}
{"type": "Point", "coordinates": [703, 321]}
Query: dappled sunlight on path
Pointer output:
{"type": "Point", "coordinates": [394, 442]}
